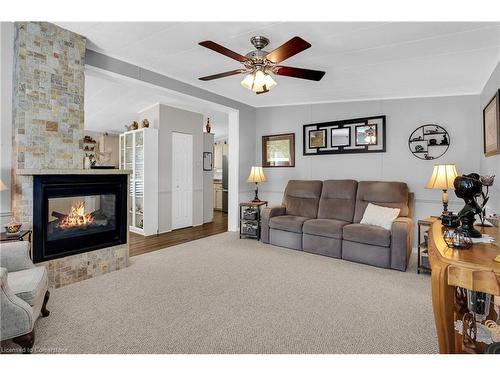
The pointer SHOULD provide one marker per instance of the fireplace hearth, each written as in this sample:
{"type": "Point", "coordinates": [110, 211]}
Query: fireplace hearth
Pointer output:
{"type": "Point", "coordinates": [73, 214]}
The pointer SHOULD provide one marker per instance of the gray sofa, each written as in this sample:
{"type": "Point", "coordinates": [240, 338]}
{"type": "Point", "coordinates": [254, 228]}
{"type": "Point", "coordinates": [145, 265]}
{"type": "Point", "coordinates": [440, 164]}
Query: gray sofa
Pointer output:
{"type": "Point", "coordinates": [324, 218]}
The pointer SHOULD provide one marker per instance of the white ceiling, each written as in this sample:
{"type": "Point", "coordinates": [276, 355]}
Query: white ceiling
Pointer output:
{"type": "Point", "coordinates": [112, 102]}
{"type": "Point", "coordinates": [362, 60]}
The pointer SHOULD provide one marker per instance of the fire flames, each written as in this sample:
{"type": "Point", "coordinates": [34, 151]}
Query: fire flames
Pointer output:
{"type": "Point", "coordinates": [76, 217]}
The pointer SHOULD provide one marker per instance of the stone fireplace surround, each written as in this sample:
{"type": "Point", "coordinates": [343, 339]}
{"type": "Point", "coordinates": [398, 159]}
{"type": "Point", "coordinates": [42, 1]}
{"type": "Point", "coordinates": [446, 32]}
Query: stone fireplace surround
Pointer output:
{"type": "Point", "coordinates": [48, 128]}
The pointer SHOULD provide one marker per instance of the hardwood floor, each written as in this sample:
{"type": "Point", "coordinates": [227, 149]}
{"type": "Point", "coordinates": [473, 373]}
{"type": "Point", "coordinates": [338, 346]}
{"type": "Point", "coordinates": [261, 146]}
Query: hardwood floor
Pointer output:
{"type": "Point", "coordinates": [141, 245]}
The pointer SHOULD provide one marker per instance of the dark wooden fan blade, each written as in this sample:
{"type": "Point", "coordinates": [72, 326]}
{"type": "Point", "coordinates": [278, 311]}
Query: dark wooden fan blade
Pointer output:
{"type": "Point", "coordinates": [290, 48]}
{"type": "Point", "coordinates": [313, 75]}
{"type": "Point", "coordinates": [223, 50]}
{"type": "Point", "coordinates": [222, 75]}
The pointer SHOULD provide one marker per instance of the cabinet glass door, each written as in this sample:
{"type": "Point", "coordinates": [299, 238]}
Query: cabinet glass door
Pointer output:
{"type": "Point", "coordinates": [139, 178]}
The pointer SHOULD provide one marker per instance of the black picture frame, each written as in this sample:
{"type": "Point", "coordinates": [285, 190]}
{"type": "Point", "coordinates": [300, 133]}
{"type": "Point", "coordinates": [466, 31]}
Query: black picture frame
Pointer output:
{"type": "Point", "coordinates": [317, 131]}
{"type": "Point", "coordinates": [380, 121]}
{"type": "Point", "coordinates": [207, 162]}
{"type": "Point", "coordinates": [340, 128]}
{"type": "Point", "coordinates": [365, 126]}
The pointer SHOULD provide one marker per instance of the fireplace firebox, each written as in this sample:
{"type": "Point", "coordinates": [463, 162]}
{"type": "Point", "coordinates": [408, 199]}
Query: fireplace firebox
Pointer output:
{"type": "Point", "coordinates": [73, 214]}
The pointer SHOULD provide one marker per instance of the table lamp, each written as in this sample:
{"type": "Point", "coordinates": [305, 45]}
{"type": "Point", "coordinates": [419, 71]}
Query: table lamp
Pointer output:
{"type": "Point", "coordinates": [256, 175]}
{"type": "Point", "coordinates": [442, 178]}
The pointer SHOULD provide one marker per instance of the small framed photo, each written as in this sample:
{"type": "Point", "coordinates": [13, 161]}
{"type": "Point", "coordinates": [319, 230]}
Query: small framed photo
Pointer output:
{"type": "Point", "coordinates": [278, 150]}
{"type": "Point", "coordinates": [491, 126]}
{"type": "Point", "coordinates": [366, 135]}
{"type": "Point", "coordinates": [207, 161]}
{"type": "Point", "coordinates": [317, 138]}
{"type": "Point", "coordinates": [341, 137]}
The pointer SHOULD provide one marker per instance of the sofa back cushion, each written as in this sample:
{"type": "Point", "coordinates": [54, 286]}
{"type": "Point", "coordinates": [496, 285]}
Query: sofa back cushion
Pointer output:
{"type": "Point", "coordinates": [338, 198]}
{"type": "Point", "coordinates": [302, 198]}
{"type": "Point", "coordinates": [382, 193]}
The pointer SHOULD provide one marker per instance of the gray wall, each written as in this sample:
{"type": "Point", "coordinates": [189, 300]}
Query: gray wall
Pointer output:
{"type": "Point", "coordinates": [458, 114]}
{"type": "Point", "coordinates": [491, 164]}
{"type": "Point", "coordinates": [177, 120]}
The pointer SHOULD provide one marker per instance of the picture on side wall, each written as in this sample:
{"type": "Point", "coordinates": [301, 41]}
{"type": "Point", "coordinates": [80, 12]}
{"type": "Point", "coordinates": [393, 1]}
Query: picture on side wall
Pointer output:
{"type": "Point", "coordinates": [207, 161]}
{"type": "Point", "coordinates": [278, 150]}
{"type": "Point", "coordinates": [317, 138]}
{"type": "Point", "coordinates": [491, 126]}
{"type": "Point", "coordinates": [350, 136]}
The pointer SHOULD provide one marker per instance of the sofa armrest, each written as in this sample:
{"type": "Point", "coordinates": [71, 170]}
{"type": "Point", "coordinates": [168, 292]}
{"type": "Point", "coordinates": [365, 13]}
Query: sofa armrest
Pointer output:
{"type": "Point", "coordinates": [14, 256]}
{"type": "Point", "coordinates": [401, 242]}
{"type": "Point", "coordinates": [267, 214]}
{"type": "Point", "coordinates": [17, 315]}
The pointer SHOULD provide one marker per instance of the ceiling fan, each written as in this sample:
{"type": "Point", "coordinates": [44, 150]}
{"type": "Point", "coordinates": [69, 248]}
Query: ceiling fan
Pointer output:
{"type": "Point", "coordinates": [259, 63]}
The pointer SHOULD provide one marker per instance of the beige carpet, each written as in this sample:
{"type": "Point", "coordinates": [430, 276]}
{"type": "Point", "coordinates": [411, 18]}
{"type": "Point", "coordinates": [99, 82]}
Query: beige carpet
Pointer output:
{"type": "Point", "coordinates": [225, 295]}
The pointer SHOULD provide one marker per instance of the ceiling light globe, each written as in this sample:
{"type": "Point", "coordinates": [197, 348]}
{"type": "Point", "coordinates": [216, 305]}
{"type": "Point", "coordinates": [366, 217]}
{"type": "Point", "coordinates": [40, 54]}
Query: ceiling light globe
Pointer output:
{"type": "Point", "coordinates": [260, 78]}
{"type": "Point", "coordinates": [248, 81]}
{"type": "Point", "coordinates": [270, 82]}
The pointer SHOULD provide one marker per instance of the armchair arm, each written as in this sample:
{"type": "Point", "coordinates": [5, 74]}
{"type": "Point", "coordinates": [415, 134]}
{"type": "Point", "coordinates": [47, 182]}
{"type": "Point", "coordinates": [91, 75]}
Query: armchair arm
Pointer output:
{"type": "Point", "coordinates": [14, 256]}
{"type": "Point", "coordinates": [268, 213]}
{"type": "Point", "coordinates": [401, 242]}
{"type": "Point", "coordinates": [17, 315]}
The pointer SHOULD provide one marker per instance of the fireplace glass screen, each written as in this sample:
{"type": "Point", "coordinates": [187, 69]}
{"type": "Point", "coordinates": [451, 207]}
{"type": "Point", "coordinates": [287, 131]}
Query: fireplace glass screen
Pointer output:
{"type": "Point", "coordinates": [70, 217]}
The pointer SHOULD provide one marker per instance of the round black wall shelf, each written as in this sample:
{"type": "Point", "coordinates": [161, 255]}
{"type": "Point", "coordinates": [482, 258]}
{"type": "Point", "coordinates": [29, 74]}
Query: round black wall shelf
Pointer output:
{"type": "Point", "coordinates": [429, 142]}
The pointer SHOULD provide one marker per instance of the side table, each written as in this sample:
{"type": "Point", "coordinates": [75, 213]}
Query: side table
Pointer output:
{"type": "Point", "coordinates": [20, 236]}
{"type": "Point", "coordinates": [250, 219]}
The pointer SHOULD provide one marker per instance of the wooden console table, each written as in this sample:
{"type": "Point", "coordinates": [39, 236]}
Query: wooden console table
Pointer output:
{"type": "Point", "coordinates": [473, 269]}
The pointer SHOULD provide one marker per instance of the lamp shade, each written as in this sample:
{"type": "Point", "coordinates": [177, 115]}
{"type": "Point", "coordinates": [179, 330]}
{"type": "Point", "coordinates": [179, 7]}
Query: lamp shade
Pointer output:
{"type": "Point", "coordinates": [256, 175]}
{"type": "Point", "coordinates": [2, 186]}
{"type": "Point", "coordinates": [442, 177]}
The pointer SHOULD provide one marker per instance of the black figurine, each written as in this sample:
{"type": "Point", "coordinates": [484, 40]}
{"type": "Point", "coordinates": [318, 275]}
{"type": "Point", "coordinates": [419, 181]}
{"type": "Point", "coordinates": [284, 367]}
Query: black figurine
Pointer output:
{"type": "Point", "coordinates": [469, 188]}
{"type": "Point", "coordinates": [444, 141]}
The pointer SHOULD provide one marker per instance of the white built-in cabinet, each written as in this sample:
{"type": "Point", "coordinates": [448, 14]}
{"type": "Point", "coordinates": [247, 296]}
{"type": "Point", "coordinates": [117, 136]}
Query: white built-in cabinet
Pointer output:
{"type": "Point", "coordinates": [139, 153]}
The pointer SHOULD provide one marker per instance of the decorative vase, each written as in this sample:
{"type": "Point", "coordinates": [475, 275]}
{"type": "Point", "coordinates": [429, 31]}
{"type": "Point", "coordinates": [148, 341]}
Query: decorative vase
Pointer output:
{"type": "Point", "coordinates": [145, 123]}
{"type": "Point", "coordinates": [208, 127]}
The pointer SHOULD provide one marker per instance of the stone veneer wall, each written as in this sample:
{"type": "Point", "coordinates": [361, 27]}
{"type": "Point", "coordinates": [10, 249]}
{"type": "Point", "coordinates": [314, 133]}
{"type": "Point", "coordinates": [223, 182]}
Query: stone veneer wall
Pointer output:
{"type": "Point", "coordinates": [48, 115]}
{"type": "Point", "coordinates": [48, 123]}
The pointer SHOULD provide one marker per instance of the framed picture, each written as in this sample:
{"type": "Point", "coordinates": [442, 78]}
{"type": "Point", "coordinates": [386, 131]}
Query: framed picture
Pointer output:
{"type": "Point", "coordinates": [278, 150]}
{"type": "Point", "coordinates": [350, 136]}
{"type": "Point", "coordinates": [207, 161]}
{"type": "Point", "coordinates": [491, 126]}
{"type": "Point", "coordinates": [317, 138]}
{"type": "Point", "coordinates": [341, 137]}
{"type": "Point", "coordinates": [366, 135]}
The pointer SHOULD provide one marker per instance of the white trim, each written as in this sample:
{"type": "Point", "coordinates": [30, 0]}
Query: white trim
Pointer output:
{"type": "Point", "coordinates": [233, 171]}
{"type": "Point", "coordinates": [366, 100]}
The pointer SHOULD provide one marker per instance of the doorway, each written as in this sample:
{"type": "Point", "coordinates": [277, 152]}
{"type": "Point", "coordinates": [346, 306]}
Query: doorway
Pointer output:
{"type": "Point", "coordinates": [182, 180]}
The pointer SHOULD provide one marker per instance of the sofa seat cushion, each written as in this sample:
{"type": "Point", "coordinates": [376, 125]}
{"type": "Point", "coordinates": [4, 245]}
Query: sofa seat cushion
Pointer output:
{"type": "Point", "coordinates": [325, 227]}
{"type": "Point", "coordinates": [29, 285]}
{"type": "Point", "coordinates": [288, 223]}
{"type": "Point", "coordinates": [368, 234]}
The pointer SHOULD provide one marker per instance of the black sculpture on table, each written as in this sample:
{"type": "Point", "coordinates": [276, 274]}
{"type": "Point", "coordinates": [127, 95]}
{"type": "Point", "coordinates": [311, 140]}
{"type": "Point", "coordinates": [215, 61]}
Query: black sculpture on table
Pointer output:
{"type": "Point", "coordinates": [469, 188]}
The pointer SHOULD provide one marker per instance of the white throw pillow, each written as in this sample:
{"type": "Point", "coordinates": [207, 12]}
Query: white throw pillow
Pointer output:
{"type": "Point", "coordinates": [379, 216]}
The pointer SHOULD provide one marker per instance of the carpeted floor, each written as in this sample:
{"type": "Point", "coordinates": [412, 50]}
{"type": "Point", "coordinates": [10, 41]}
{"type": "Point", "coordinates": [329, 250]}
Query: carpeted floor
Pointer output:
{"type": "Point", "coordinates": [225, 295]}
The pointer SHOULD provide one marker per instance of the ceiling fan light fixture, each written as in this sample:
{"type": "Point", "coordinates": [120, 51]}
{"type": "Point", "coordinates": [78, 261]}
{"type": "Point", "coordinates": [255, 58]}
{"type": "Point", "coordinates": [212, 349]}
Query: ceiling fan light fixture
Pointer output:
{"type": "Point", "coordinates": [258, 81]}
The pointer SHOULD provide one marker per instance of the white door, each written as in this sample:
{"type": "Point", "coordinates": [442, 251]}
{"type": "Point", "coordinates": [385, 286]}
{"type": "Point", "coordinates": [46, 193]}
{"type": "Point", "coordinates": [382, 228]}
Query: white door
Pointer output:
{"type": "Point", "coordinates": [182, 180]}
